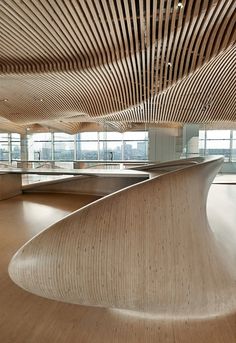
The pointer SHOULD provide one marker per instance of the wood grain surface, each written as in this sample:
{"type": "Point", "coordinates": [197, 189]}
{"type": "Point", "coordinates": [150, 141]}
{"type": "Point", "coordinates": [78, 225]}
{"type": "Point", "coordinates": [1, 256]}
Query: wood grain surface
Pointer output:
{"type": "Point", "coordinates": [10, 185]}
{"type": "Point", "coordinates": [99, 186]}
{"type": "Point", "coordinates": [119, 62]}
{"type": "Point", "coordinates": [147, 248]}
{"type": "Point", "coordinates": [27, 318]}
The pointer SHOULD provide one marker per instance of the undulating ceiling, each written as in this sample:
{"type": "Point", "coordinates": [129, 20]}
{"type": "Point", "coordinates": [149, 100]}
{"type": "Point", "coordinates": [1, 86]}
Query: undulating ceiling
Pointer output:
{"type": "Point", "coordinates": [77, 65]}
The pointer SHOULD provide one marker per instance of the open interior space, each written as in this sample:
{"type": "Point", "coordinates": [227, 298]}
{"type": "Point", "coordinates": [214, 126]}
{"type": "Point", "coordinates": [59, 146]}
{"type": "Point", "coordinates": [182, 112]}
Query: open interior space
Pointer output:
{"type": "Point", "coordinates": [117, 171]}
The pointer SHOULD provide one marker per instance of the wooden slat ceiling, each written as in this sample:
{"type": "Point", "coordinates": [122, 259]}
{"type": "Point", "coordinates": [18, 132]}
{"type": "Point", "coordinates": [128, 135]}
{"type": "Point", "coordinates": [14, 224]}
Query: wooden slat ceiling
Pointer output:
{"type": "Point", "coordinates": [67, 62]}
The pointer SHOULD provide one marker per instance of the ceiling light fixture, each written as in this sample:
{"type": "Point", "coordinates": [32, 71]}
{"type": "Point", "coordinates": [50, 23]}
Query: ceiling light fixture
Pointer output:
{"type": "Point", "coordinates": [180, 5]}
{"type": "Point", "coordinates": [4, 100]}
{"type": "Point", "coordinates": [169, 64]}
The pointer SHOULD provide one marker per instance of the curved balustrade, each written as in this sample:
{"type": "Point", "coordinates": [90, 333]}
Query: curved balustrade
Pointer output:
{"type": "Point", "coordinates": [147, 248]}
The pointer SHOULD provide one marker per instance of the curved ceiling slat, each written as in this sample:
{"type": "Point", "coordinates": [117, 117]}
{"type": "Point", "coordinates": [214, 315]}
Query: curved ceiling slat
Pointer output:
{"type": "Point", "coordinates": [133, 61]}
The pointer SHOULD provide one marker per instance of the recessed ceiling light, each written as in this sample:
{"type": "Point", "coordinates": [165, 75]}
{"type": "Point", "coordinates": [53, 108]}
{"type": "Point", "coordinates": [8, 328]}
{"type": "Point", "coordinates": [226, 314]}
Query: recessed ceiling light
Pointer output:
{"type": "Point", "coordinates": [4, 100]}
{"type": "Point", "coordinates": [169, 64]}
{"type": "Point", "coordinates": [41, 100]}
{"type": "Point", "coordinates": [180, 5]}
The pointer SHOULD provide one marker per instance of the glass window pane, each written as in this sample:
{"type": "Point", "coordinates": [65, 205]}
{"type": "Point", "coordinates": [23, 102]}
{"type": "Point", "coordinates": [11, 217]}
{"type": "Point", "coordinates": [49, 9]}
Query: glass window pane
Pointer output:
{"type": "Point", "coordinates": [110, 150]}
{"type": "Point", "coordinates": [103, 154]}
{"type": "Point", "coordinates": [234, 144]}
{"type": "Point", "coordinates": [3, 136]}
{"type": "Point", "coordinates": [45, 136]}
{"type": "Point", "coordinates": [218, 134]}
{"type": "Point", "coordinates": [61, 136]}
{"type": "Point", "coordinates": [218, 147]}
{"type": "Point", "coordinates": [110, 136]}
{"type": "Point", "coordinates": [135, 135]}
{"type": "Point", "coordinates": [201, 134]}
{"type": "Point", "coordinates": [135, 150]}
{"type": "Point", "coordinates": [233, 151]}
{"type": "Point", "coordinates": [64, 151]}
{"type": "Point", "coordinates": [201, 144]}
{"type": "Point", "coordinates": [87, 136]}
{"type": "Point", "coordinates": [114, 151]}
{"type": "Point", "coordinates": [40, 151]}
{"type": "Point", "coordinates": [234, 134]}
{"type": "Point", "coordinates": [15, 136]}
{"type": "Point", "coordinates": [40, 146]}
{"type": "Point", "coordinates": [87, 150]}
{"type": "Point", "coordinates": [4, 151]}
{"type": "Point", "coordinates": [15, 151]}
{"type": "Point", "coordinates": [217, 144]}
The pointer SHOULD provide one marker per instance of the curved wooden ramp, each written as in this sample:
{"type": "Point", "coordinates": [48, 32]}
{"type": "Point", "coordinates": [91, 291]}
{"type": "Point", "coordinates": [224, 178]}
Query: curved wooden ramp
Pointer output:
{"type": "Point", "coordinates": [146, 250]}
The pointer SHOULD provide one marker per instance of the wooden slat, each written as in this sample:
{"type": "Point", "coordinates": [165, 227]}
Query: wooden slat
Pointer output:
{"type": "Point", "coordinates": [112, 60]}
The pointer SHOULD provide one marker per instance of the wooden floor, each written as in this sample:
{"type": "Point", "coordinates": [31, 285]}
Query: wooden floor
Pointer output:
{"type": "Point", "coordinates": [25, 318]}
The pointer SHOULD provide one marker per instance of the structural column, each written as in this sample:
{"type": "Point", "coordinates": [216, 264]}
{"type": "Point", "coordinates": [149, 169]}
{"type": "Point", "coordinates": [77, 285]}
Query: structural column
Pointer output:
{"type": "Point", "coordinates": [24, 151]}
{"type": "Point", "coordinates": [165, 144]}
{"type": "Point", "coordinates": [191, 140]}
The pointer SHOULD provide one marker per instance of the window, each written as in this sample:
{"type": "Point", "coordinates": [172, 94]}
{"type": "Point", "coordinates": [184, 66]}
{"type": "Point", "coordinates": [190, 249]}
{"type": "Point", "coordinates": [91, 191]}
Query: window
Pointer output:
{"type": "Point", "coordinates": [87, 150]}
{"type": "Point", "coordinates": [233, 150]}
{"type": "Point", "coordinates": [62, 137]}
{"type": "Point", "coordinates": [87, 146]}
{"type": "Point", "coordinates": [123, 146]}
{"type": "Point", "coordinates": [40, 146]}
{"type": "Point", "coordinates": [218, 134]}
{"type": "Point", "coordinates": [4, 151]}
{"type": "Point", "coordinates": [135, 136]}
{"type": "Point", "coordinates": [87, 136]}
{"type": "Point", "coordinates": [113, 151]}
{"type": "Point", "coordinates": [63, 146]}
{"type": "Point", "coordinates": [216, 142]}
{"type": "Point", "coordinates": [9, 146]}
{"type": "Point", "coordinates": [113, 146]}
{"type": "Point", "coordinates": [110, 136]}
{"type": "Point", "coordinates": [60, 146]}
{"type": "Point", "coordinates": [64, 151]}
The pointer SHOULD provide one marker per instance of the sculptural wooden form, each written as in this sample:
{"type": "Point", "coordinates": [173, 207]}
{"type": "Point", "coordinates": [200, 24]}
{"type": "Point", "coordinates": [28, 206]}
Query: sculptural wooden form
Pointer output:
{"type": "Point", "coordinates": [146, 248]}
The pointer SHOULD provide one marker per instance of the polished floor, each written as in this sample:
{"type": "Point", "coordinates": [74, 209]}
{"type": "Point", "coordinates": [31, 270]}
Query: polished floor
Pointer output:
{"type": "Point", "coordinates": [225, 179]}
{"type": "Point", "coordinates": [26, 318]}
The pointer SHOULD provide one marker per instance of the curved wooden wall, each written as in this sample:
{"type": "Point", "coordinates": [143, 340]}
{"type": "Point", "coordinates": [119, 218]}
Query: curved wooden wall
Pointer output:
{"type": "Point", "coordinates": [92, 185]}
{"type": "Point", "coordinates": [146, 248]}
{"type": "Point", "coordinates": [63, 63]}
